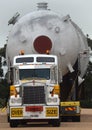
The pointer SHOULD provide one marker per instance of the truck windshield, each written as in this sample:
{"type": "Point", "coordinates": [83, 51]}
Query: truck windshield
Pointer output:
{"type": "Point", "coordinates": [34, 73]}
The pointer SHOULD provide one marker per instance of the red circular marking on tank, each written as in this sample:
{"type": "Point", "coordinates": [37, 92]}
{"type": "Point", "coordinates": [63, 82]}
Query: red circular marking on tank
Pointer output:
{"type": "Point", "coordinates": [42, 44]}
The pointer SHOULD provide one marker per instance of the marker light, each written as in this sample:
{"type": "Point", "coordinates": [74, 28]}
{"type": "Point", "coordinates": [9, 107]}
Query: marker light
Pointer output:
{"type": "Point", "coordinates": [13, 91]}
{"type": "Point", "coordinates": [22, 52]}
{"type": "Point", "coordinates": [47, 52]}
{"type": "Point", "coordinates": [56, 90]}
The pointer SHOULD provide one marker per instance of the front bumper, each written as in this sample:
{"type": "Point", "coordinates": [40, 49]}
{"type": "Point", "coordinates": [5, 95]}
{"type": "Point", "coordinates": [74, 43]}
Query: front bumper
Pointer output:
{"type": "Point", "coordinates": [34, 112]}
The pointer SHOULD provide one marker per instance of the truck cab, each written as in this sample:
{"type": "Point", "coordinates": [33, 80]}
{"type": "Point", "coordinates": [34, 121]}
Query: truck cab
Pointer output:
{"type": "Point", "coordinates": [34, 93]}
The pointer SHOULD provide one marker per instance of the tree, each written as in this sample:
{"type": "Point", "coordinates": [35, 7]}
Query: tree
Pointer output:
{"type": "Point", "coordinates": [3, 50]}
{"type": "Point", "coordinates": [1, 70]}
{"type": "Point", "coordinates": [88, 79]}
{"type": "Point", "coordinates": [4, 92]}
{"type": "Point", "coordinates": [4, 87]}
{"type": "Point", "coordinates": [89, 41]}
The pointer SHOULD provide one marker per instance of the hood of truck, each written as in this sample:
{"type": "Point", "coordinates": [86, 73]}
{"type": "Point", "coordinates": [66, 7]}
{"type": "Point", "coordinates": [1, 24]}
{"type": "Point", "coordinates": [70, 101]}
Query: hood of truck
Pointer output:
{"type": "Point", "coordinates": [33, 82]}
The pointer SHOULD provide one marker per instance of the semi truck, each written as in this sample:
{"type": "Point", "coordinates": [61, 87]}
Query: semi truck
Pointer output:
{"type": "Point", "coordinates": [47, 57]}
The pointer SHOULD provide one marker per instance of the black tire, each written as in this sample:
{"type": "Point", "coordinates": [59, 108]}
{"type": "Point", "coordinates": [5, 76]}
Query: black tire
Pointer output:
{"type": "Point", "coordinates": [76, 119]}
{"type": "Point", "coordinates": [8, 118]}
{"type": "Point", "coordinates": [13, 123]}
{"type": "Point", "coordinates": [56, 123]}
{"type": "Point", "coordinates": [64, 119]}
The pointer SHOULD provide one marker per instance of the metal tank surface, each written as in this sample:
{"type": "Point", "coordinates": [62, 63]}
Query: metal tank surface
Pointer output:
{"type": "Point", "coordinates": [44, 30]}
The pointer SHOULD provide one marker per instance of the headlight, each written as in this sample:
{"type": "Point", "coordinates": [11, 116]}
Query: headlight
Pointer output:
{"type": "Point", "coordinates": [16, 100]}
{"type": "Point", "coordinates": [54, 99]}
{"type": "Point", "coordinates": [49, 100]}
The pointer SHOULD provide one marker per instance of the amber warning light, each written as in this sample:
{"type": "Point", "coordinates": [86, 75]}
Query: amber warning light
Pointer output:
{"type": "Point", "coordinates": [22, 52]}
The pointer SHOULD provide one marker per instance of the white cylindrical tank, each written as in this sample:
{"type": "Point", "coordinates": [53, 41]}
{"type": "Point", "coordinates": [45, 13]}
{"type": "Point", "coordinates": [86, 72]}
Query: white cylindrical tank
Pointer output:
{"type": "Point", "coordinates": [44, 30]}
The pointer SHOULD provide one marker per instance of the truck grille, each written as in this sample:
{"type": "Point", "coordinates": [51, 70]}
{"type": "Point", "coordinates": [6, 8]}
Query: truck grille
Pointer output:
{"type": "Point", "coordinates": [33, 95]}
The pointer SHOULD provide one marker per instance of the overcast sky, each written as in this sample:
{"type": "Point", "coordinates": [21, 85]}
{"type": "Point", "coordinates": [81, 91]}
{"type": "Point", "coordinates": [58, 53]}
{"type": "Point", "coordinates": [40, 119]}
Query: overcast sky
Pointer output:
{"type": "Point", "coordinates": [80, 12]}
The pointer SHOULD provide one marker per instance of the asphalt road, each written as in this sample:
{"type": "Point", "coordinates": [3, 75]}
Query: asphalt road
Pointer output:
{"type": "Point", "coordinates": [85, 124]}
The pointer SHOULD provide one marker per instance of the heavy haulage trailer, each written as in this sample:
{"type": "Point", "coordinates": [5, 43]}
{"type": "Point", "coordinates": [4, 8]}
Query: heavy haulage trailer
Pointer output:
{"type": "Point", "coordinates": [47, 57]}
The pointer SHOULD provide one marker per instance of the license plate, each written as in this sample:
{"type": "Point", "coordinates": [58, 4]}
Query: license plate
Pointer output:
{"type": "Point", "coordinates": [16, 112]}
{"type": "Point", "coordinates": [34, 115]}
{"type": "Point", "coordinates": [51, 112]}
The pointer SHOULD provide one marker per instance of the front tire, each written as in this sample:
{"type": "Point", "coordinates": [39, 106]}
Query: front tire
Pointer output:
{"type": "Point", "coordinates": [56, 123]}
{"type": "Point", "coordinates": [76, 119]}
{"type": "Point", "coordinates": [13, 123]}
{"type": "Point", "coordinates": [8, 118]}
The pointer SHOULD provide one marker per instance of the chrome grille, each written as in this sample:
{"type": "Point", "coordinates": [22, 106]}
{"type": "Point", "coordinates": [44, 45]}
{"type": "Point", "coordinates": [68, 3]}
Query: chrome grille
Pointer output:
{"type": "Point", "coordinates": [33, 95]}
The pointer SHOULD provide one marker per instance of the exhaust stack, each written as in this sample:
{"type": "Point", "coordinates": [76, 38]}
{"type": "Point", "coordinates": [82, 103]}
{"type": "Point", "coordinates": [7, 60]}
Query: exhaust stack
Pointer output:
{"type": "Point", "coordinates": [42, 6]}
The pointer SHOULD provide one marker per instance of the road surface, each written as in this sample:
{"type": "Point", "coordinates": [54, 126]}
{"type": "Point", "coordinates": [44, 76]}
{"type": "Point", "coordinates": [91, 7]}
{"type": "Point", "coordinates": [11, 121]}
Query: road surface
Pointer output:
{"type": "Point", "coordinates": [85, 124]}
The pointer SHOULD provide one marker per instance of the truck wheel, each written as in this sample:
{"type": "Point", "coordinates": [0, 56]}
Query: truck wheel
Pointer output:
{"type": "Point", "coordinates": [13, 123]}
{"type": "Point", "coordinates": [76, 119]}
{"type": "Point", "coordinates": [56, 122]}
{"type": "Point", "coordinates": [8, 119]}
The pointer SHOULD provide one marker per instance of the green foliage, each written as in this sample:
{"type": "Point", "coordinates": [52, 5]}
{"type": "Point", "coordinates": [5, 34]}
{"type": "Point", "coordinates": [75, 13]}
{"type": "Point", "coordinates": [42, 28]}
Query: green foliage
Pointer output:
{"type": "Point", "coordinates": [4, 89]}
{"type": "Point", "coordinates": [88, 83]}
{"type": "Point", "coordinates": [4, 92]}
{"type": "Point", "coordinates": [2, 102]}
{"type": "Point", "coordinates": [88, 80]}
{"type": "Point", "coordinates": [86, 104]}
{"type": "Point", "coordinates": [2, 54]}
{"type": "Point", "coordinates": [2, 51]}
{"type": "Point", "coordinates": [89, 42]}
{"type": "Point", "coordinates": [0, 62]}
{"type": "Point", "coordinates": [4, 63]}
{"type": "Point", "coordinates": [1, 72]}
